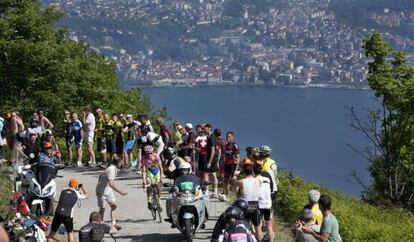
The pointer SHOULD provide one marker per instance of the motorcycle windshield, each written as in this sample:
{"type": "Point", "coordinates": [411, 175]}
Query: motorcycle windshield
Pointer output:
{"type": "Point", "coordinates": [44, 172]}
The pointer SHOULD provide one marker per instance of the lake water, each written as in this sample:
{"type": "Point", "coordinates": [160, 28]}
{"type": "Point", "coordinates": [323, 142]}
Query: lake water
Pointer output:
{"type": "Point", "coordinates": [308, 129]}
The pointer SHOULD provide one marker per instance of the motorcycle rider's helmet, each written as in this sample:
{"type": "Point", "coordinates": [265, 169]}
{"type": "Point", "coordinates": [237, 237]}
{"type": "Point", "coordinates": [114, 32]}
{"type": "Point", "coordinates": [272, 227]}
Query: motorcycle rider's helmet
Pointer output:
{"type": "Point", "coordinates": [169, 153]}
{"type": "Point", "coordinates": [265, 151]}
{"type": "Point", "coordinates": [233, 214]}
{"type": "Point", "coordinates": [148, 149]}
{"type": "Point", "coordinates": [184, 168]}
{"type": "Point", "coordinates": [242, 204]}
{"type": "Point", "coordinates": [34, 121]}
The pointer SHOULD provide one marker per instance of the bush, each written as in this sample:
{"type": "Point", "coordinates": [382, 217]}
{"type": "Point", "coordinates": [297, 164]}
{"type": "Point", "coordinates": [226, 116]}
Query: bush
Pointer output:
{"type": "Point", "coordinates": [6, 188]}
{"type": "Point", "coordinates": [358, 221]}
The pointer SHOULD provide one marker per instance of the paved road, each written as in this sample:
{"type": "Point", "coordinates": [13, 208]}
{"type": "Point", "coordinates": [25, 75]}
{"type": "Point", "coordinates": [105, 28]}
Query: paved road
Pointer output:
{"type": "Point", "coordinates": [133, 215]}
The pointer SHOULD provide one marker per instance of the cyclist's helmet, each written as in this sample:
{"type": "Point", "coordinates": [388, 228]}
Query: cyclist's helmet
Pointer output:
{"type": "Point", "coordinates": [233, 213]}
{"type": "Point", "coordinates": [34, 121]}
{"type": "Point", "coordinates": [148, 149]}
{"type": "Point", "coordinates": [265, 150]}
{"type": "Point", "coordinates": [169, 153]}
{"type": "Point", "coordinates": [184, 168]}
{"type": "Point", "coordinates": [242, 204]}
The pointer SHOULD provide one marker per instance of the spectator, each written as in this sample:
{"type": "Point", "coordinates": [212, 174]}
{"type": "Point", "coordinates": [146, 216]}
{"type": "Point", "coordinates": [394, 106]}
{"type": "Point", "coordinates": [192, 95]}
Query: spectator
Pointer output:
{"type": "Point", "coordinates": [69, 197]}
{"type": "Point", "coordinates": [330, 227]}
{"type": "Point", "coordinates": [105, 190]}
{"type": "Point", "coordinates": [43, 120]}
{"type": "Point", "coordinates": [67, 124]}
{"type": "Point", "coordinates": [89, 123]}
{"type": "Point", "coordinates": [313, 197]}
{"type": "Point", "coordinates": [165, 133]}
{"type": "Point", "coordinates": [306, 220]}
{"type": "Point", "coordinates": [96, 234]}
{"type": "Point", "coordinates": [100, 138]}
{"type": "Point", "coordinates": [95, 221]}
{"type": "Point", "coordinates": [77, 136]}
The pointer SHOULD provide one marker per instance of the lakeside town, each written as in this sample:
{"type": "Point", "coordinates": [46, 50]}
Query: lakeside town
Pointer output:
{"type": "Point", "coordinates": [228, 42]}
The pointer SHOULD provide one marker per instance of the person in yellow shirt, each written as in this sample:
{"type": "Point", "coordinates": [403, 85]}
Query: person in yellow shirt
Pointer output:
{"type": "Point", "coordinates": [313, 198]}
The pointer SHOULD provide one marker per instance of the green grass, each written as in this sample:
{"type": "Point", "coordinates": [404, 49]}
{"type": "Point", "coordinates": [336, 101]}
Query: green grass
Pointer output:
{"type": "Point", "coordinates": [358, 221]}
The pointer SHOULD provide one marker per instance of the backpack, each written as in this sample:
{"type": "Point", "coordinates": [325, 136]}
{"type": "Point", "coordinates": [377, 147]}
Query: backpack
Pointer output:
{"type": "Point", "coordinates": [67, 201]}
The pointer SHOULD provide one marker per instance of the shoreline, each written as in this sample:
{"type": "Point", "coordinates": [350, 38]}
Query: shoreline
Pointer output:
{"type": "Point", "coordinates": [310, 86]}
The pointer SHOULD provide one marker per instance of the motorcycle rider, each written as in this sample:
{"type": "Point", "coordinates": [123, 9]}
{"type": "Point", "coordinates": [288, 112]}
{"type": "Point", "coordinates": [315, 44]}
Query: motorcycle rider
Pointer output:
{"type": "Point", "coordinates": [237, 229]}
{"type": "Point", "coordinates": [221, 223]}
{"type": "Point", "coordinates": [186, 181]}
{"type": "Point", "coordinates": [48, 154]}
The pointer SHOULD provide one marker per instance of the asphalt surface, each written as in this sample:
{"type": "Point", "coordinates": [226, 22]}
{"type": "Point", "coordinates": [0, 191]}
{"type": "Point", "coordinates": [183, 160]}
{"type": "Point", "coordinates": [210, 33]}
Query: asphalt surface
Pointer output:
{"type": "Point", "coordinates": [133, 215]}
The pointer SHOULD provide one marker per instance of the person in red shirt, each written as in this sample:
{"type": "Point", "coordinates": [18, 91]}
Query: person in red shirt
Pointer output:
{"type": "Point", "coordinates": [231, 161]}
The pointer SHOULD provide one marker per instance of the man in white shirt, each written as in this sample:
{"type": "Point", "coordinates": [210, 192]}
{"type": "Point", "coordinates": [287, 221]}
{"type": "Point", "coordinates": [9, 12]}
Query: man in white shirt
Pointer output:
{"type": "Point", "coordinates": [89, 126]}
{"type": "Point", "coordinates": [105, 190]}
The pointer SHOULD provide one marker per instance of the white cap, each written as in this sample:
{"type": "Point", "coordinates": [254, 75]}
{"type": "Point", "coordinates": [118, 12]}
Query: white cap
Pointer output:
{"type": "Point", "coordinates": [189, 125]}
{"type": "Point", "coordinates": [129, 116]}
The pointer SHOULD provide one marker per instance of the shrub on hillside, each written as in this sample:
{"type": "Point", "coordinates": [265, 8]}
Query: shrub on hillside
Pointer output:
{"type": "Point", "coordinates": [358, 221]}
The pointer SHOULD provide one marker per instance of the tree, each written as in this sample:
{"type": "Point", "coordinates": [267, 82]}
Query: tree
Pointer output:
{"type": "Point", "coordinates": [391, 128]}
{"type": "Point", "coordinates": [41, 67]}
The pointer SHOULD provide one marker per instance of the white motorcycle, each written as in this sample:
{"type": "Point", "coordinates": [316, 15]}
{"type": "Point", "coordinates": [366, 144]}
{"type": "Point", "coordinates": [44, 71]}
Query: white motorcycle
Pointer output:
{"type": "Point", "coordinates": [41, 186]}
{"type": "Point", "coordinates": [189, 212]}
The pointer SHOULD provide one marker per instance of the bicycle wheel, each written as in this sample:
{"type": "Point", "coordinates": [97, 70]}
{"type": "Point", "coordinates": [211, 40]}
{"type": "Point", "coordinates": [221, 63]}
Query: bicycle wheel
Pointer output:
{"type": "Point", "coordinates": [154, 205]}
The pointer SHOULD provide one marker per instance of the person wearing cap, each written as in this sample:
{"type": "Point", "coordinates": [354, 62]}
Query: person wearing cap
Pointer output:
{"type": "Point", "coordinates": [64, 213]}
{"type": "Point", "coordinates": [177, 134]}
{"type": "Point", "coordinates": [306, 220]}
{"type": "Point", "coordinates": [47, 155]}
{"type": "Point", "coordinates": [313, 198]}
{"type": "Point", "coordinates": [188, 140]}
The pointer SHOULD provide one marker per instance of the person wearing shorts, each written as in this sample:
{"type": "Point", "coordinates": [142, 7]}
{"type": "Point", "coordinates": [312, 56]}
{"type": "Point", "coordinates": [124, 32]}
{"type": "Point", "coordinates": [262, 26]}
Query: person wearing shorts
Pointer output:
{"type": "Point", "coordinates": [89, 122]}
{"type": "Point", "coordinates": [231, 161]}
{"type": "Point", "coordinates": [65, 209]}
{"type": "Point", "coordinates": [105, 190]}
{"type": "Point", "coordinates": [151, 166]}
{"type": "Point", "coordinates": [130, 129]}
{"type": "Point", "coordinates": [265, 198]}
{"type": "Point", "coordinates": [77, 136]}
{"type": "Point", "coordinates": [212, 164]}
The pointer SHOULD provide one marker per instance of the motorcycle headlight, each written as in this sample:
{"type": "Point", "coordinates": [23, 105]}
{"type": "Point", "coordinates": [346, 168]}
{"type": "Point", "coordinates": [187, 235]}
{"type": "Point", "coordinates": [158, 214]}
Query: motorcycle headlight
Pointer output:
{"type": "Point", "coordinates": [36, 190]}
{"type": "Point", "coordinates": [187, 197]}
{"type": "Point", "coordinates": [47, 190]}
